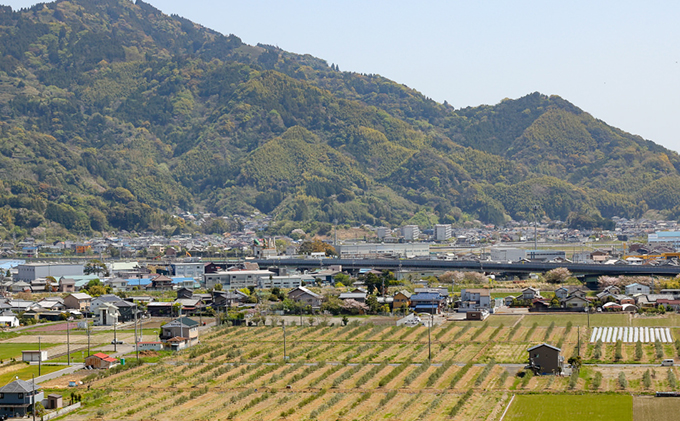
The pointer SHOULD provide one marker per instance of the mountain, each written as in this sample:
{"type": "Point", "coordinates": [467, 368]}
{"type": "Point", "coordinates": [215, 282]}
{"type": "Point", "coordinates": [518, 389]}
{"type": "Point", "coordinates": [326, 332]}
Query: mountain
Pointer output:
{"type": "Point", "coordinates": [115, 116]}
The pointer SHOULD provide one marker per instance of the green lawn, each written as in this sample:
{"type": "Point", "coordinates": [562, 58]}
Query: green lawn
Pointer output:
{"type": "Point", "coordinates": [571, 407]}
{"type": "Point", "coordinates": [26, 371]}
{"type": "Point", "coordinates": [13, 350]}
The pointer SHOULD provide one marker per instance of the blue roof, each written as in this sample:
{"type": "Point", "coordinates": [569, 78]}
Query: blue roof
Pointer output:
{"type": "Point", "coordinates": [9, 264]}
{"type": "Point", "coordinates": [138, 282]}
{"type": "Point", "coordinates": [426, 306]}
{"type": "Point", "coordinates": [668, 233]}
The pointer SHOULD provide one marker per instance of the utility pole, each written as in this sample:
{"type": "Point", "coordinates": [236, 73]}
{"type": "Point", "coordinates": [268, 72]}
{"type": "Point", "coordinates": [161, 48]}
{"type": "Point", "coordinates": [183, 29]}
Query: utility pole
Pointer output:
{"type": "Point", "coordinates": [88, 340]}
{"type": "Point", "coordinates": [39, 356]}
{"type": "Point", "coordinates": [115, 338]}
{"type": "Point", "coordinates": [136, 338]}
{"type": "Point", "coordinates": [33, 396]}
{"type": "Point", "coordinates": [68, 342]}
{"type": "Point", "coordinates": [284, 340]}
{"type": "Point", "coordinates": [429, 336]}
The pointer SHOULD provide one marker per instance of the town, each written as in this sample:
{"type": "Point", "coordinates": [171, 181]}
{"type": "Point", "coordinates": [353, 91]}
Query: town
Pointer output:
{"type": "Point", "coordinates": [82, 318]}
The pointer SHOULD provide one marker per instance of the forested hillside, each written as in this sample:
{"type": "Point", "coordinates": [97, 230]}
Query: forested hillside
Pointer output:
{"type": "Point", "coordinates": [115, 116]}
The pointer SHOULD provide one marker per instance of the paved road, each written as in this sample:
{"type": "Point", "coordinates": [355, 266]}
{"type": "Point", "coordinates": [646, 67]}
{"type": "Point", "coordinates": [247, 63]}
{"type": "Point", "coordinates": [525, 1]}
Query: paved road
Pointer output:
{"type": "Point", "coordinates": [54, 375]}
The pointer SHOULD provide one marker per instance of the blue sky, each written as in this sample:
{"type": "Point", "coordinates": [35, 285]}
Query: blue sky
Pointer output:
{"type": "Point", "coordinates": [618, 60]}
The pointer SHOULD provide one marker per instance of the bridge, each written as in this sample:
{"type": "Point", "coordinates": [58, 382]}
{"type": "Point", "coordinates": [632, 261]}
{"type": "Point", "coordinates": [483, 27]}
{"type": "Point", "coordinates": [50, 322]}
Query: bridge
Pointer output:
{"type": "Point", "coordinates": [472, 265]}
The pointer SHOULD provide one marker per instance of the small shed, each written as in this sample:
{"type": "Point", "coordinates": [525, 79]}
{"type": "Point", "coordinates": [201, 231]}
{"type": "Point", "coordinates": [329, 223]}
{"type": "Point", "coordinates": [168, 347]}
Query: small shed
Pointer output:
{"type": "Point", "coordinates": [33, 355]}
{"type": "Point", "coordinates": [545, 359]}
{"type": "Point", "coordinates": [476, 315]}
{"type": "Point", "coordinates": [54, 401]}
{"type": "Point", "coordinates": [150, 346]}
{"type": "Point", "coordinates": [100, 360]}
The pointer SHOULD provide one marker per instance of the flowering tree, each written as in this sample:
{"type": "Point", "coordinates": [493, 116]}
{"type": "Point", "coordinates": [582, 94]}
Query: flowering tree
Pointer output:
{"type": "Point", "coordinates": [354, 307]}
{"type": "Point", "coordinates": [557, 275]}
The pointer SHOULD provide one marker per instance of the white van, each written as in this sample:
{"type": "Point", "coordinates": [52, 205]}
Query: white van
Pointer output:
{"type": "Point", "coordinates": [667, 363]}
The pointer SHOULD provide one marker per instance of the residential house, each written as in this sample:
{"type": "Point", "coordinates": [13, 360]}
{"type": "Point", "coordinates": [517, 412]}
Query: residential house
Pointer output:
{"type": "Point", "coordinates": [180, 333]}
{"type": "Point", "coordinates": [67, 285]}
{"type": "Point", "coordinates": [78, 301]}
{"type": "Point", "coordinates": [184, 293]}
{"type": "Point", "coordinates": [427, 302]}
{"type": "Point", "coordinates": [474, 299]}
{"type": "Point", "coordinates": [357, 295]}
{"type": "Point", "coordinates": [305, 296]}
{"type": "Point", "coordinates": [575, 302]}
{"type": "Point", "coordinates": [623, 299]}
{"type": "Point", "coordinates": [20, 286]}
{"type": "Point", "coordinates": [9, 320]}
{"type": "Point", "coordinates": [402, 299]}
{"type": "Point", "coordinates": [126, 310]}
{"type": "Point", "coordinates": [17, 397]}
{"type": "Point", "coordinates": [39, 285]}
{"type": "Point", "coordinates": [545, 359]}
{"type": "Point", "coordinates": [160, 283]}
{"type": "Point", "coordinates": [101, 300]}
{"type": "Point", "coordinates": [190, 306]}
{"type": "Point", "coordinates": [106, 315]}
{"type": "Point", "coordinates": [637, 289]}
{"type": "Point", "coordinates": [228, 299]}
{"type": "Point", "coordinates": [530, 294]}
{"type": "Point", "coordinates": [574, 295]}
{"type": "Point", "coordinates": [52, 303]}
{"type": "Point", "coordinates": [160, 309]}
{"type": "Point", "coordinates": [117, 284]}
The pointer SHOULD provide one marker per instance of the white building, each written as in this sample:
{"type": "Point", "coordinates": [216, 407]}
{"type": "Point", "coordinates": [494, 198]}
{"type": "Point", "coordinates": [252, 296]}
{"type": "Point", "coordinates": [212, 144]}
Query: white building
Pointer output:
{"type": "Point", "coordinates": [31, 271]}
{"type": "Point", "coordinates": [235, 279]}
{"type": "Point", "coordinates": [507, 254]}
{"type": "Point", "coordinates": [292, 281]}
{"type": "Point", "coordinates": [410, 232]}
{"type": "Point", "coordinates": [442, 232]}
{"type": "Point", "coordinates": [189, 270]}
{"type": "Point", "coordinates": [637, 289]}
{"type": "Point", "coordinates": [383, 232]}
{"type": "Point", "coordinates": [474, 299]}
{"type": "Point", "coordinates": [664, 237]}
{"type": "Point", "coordinates": [360, 251]}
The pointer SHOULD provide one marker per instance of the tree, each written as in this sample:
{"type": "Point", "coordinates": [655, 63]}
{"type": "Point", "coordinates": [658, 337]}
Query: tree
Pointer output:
{"type": "Point", "coordinates": [576, 362]}
{"type": "Point", "coordinates": [97, 290]}
{"type": "Point", "coordinates": [557, 275]}
{"type": "Point", "coordinates": [97, 267]}
{"type": "Point", "coordinates": [317, 246]}
{"type": "Point", "coordinates": [372, 303]}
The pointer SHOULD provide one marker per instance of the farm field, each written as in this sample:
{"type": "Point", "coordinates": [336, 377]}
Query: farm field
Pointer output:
{"type": "Point", "coordinates": [13, 350]}
{"type": "Point", "coordinates": [24, 372]}
{"type": "Point", "coordinates": [647, 408]}
{"type": "Point", "coordinates": [371, 372]}
{"type": "Point", "coordinates": [571, 407]}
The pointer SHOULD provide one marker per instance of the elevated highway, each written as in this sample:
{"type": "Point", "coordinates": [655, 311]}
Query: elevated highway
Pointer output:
{"type": "Point", "coordinates": [469, 265]}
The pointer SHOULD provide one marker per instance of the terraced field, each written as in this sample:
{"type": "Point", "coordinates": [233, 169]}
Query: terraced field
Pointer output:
{"type": "Point", "coordinates": [365, 372]}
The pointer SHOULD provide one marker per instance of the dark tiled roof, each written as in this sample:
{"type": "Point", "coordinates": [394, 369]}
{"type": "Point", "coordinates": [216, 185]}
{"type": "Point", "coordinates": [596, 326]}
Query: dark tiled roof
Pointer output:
{"type": "Point", "coordinates": [18, 386]}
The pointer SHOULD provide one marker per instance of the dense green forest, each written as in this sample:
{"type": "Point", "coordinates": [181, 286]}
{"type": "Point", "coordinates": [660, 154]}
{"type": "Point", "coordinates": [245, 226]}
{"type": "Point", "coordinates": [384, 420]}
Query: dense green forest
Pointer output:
{"type": "Point", "coordinates": [116, 116]}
